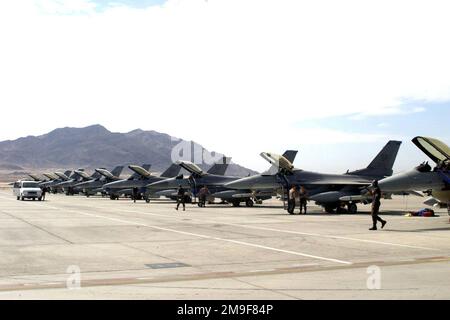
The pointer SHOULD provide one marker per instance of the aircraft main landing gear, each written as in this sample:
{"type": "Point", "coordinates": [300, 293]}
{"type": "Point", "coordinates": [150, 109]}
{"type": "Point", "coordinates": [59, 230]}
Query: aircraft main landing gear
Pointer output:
{"type": "Point", "coordinates": [329, 209]}
{"type": "Point", "coordinates": [352, 208]}
{"type": "Point", "coordinates": [249, 203]}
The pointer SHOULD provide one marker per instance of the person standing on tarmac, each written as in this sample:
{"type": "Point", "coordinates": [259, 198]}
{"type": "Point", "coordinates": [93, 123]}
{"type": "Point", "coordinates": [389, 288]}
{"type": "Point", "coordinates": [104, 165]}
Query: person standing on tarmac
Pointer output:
{"type": "Point", "coordinates": [181, 198]}
{"type": "Point", "coordinates": [303, 199]}
{"type": "Point", "coordinates": [44, 191]}
{"type": "Point", "coordinates": [135, 194]}
{"type": "Point", "coordinates": [291, 199]}
{"type": "Point", "coordinates": [203, 193]}
{"type": "Point", "coordinates": [376, 203]}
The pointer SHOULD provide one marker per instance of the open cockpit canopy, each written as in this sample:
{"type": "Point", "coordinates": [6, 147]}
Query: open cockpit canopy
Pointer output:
{"type": "Point", "coordinates": [437, 150]}
{"type": "Point", "coordinates": [140, 171]}
{"type": "Point", "coordinates": [190, 167]}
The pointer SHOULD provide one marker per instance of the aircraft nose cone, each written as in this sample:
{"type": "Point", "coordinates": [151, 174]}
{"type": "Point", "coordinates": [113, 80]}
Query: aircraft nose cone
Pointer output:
{"type": "Point", "coordinates": [412, 181]}
{"type": "Point", "coordinates": [399, 182]}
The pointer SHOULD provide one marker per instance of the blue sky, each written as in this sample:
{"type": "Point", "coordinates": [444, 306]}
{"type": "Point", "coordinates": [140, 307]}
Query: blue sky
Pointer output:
{"type": "Point", "coordinates": [433, 122]}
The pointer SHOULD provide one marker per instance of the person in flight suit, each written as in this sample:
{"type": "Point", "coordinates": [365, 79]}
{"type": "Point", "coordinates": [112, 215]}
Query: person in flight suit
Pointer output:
{"type": "Point", "coordinates": [376, 203]}
{"type": "Point", "coordinates": [203, 194]}
{"type": "Point", "coordinates": [303, 199]}
{"type": "Point", "coordinates": [181, 198]}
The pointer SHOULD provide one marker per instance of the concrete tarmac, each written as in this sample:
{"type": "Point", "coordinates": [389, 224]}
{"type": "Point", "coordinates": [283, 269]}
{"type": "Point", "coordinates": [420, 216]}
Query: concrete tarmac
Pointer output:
{"type": "Point", "coordinates": [94, 248]}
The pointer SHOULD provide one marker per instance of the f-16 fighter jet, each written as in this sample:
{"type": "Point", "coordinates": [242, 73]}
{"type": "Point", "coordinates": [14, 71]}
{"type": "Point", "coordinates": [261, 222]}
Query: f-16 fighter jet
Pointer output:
{"type": "Point", "coordinates": [432, 181]}
{"type": "Point", "coordinates": [144, 178]}
{"type": "Point", "coordinates": [95, 185]}
{"type": "Point", "coordinates": [214, 182]}
{"type": "Point", "coordinates": [328, 190]}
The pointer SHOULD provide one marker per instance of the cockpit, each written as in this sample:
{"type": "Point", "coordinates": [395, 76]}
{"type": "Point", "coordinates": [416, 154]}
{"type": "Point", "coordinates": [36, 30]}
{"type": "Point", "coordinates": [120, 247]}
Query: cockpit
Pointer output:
{"type": "Point", "coordinates": [424, 167]}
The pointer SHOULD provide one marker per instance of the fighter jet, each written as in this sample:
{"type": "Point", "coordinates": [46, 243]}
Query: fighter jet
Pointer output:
{"type": "Point", "coordinates": [193, 182]}
{"type": "Point", "coordinates": [95, 185]}
{"type": "Point", "coordinates": [76, 177]}
{"type": "Point", "coordinates": [432, 181]}
{"type": "Point", "coordinates": [54, 179]}
{"type": "Point", "coordinates": [328, 190]}
{"type": "Point", "coordinates": [115, 193]}
{"type": "Point", "coordinates": [215, 183]}
{"type": "Point", "coordinates": [249, 197]}
{"type": "Point", "coordinates": [145, 177]}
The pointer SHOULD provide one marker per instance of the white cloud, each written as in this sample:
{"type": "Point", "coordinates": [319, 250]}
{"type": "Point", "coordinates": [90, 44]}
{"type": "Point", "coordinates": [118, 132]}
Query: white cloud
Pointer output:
{"type": "Point", "coordinates": [235, 75]}
{"type": "Point", "coordinates": [387, 111]}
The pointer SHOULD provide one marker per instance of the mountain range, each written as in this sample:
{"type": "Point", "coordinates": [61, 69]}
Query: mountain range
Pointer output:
{"type": "Point", "coordinates": [95, 146]}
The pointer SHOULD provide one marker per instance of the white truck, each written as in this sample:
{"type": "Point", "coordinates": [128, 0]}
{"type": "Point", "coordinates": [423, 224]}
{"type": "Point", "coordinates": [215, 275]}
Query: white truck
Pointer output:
{"type": "Point", "coordinates": [27, 190]}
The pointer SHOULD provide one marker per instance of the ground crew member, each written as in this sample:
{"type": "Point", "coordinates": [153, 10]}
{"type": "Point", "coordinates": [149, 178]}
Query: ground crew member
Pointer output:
{"type": "Point", "coordinates": [181, 198]}
{"type": "Point", "coordinates": [303, 199]}
{"type": "Point", "coordinates": [291, 199]}
{"type": "Point", "coordinates": [376, 203]}
{"type": "Point", "coordinates": [44, 191]}
{"type": "Point", "coordinates": [202, 195]}
{"type": "Point", "coordinates": [135, 194]}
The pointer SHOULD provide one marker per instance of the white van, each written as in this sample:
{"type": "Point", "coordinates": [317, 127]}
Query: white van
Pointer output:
{"type": "Point", "coordinates": [27, 190]}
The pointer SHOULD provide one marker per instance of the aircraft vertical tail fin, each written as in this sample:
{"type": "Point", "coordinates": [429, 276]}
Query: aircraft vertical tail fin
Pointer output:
{"type": "Point", "coordinates": [172, 171]}
{"type": "Point", "coordinates": [290, 155]}
{"type": "Point", "coordinates": [95, 175]}
{"type": "Point", "coordinates": [68, 173]}
{"type": "Point", "coordinates": [219, 168]}
{"type": "Point", "coordinates": [382, 165]}
{"type": "Point", "coordinates": [117, 171]}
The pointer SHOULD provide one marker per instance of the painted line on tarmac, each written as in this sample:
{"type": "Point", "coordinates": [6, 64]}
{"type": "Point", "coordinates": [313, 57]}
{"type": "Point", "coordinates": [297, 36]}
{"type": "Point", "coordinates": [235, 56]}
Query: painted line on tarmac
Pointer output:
{"type": "Point", "coordinates": [248, 244]}
{"type": "Point", "coordinates": [337, 237]}
{"type": "Point", "coordinates": [296, 232]}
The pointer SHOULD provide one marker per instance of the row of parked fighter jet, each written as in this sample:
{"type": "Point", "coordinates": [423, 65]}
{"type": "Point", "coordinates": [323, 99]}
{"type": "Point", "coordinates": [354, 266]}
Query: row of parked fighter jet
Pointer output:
{"type": "Point", "coordinates": [328, 190]}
